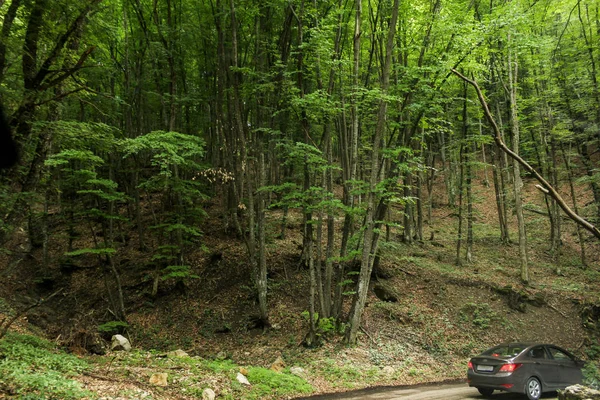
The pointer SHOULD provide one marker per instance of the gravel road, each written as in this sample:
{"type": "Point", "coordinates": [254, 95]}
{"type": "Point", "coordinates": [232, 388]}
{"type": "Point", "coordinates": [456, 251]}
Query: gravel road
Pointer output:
{"type": "Point", "coordinates": [456, 391]}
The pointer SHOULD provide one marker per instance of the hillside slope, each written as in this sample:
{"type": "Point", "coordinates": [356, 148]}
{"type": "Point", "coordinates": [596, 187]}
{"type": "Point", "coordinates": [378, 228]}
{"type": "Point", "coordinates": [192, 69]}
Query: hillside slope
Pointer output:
{"type": "Point", "coordinates": [442, 313]}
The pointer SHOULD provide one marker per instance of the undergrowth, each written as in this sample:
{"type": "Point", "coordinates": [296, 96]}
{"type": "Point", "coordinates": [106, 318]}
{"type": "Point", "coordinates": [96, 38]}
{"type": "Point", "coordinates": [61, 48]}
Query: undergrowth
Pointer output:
{"type": "Point", "coordinates": [191, 375]}
{"type": "Point", "coordinates": [31, 368]}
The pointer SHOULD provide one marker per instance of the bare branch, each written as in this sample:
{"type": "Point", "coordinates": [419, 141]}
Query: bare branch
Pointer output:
{"type": "Point", "coordinates": [544, 185]}
{"type": "Point", "coordinates": [5, 325]}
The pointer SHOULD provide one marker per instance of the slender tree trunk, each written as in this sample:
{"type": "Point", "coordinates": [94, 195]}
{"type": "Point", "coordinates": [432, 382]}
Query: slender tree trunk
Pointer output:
{"type": "Point", "coordinates": [504, 177]}
{"type": "Point", "coordinates": [460, 206]}
{"type": "Point", "coordinates": [496, 175]}
{"type": "Point", "coordinates": [261, 279]}
{"type": "Point", "coordinates": [350, 155]}
{"type": "Point", "coordinates": [9, 18]}
{"type": "Point", "coordinates": [580, 236]}
{"type": "Point", "coordinates": [370, 238]}
{"type": "Point", "coordinates": [469, 182]}
{"type": "Point", "coordinates": [513, 69]}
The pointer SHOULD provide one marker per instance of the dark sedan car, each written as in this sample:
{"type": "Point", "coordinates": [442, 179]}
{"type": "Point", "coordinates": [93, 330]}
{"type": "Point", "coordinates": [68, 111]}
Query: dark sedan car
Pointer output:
{"type": "Point", "coordinates": [529, 368]}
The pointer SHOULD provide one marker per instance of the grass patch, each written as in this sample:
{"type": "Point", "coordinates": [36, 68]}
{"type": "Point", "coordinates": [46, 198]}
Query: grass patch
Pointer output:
{"type": "Point", "coordinates": [347, 376]}
{"type": "Point", "coordinates": [266, 382]}
{"type": "Point", "coordinates": [31, 367]}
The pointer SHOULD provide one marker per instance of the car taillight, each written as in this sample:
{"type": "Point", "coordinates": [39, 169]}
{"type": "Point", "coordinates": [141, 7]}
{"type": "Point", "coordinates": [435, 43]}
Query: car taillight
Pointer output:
{"type": "Point", "coordinates": [509, 367]}
{"type": "Point", "coordinates": [470, 365]}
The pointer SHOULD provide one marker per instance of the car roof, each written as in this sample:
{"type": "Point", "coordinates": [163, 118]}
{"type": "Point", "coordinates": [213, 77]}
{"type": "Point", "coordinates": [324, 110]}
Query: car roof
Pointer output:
{"type": "Point", "coordinates": [526, 344]}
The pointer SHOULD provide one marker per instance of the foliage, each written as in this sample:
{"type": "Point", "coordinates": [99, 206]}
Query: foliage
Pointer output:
{"type": "Point", "coordinates": [325, 327]}
{"type": "Point", "coordinates": [480, 315]}
{"type": "Point", "coordinates": [591, 375]}
{"type": "Point", "coordinates": [178, 272]}
{"type": "Point", "coordinates": [113, 327]}
{"type": "Point", "coordinates": [30, 366]}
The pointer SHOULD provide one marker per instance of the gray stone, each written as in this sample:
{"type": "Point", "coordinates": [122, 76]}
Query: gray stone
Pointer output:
{"type": "Point", "coordinates": [208, 394]}
{"type": "Point", "coordinates": [388, 370]}
{"type": "Point", "coordinates": [298, 371]}
{"type": "Point", "coordinates": [278, 365]}
{"type": "Point", "coordinates": [159, 379]}
{"type": "Point", "coordinates": [578, 392]}
{"type": "Point", "coordinates": [177, 353]}
{"type": "Point", "coordinates": [242, 379]}
{"type": "Point", "coordinates": [120, 343]}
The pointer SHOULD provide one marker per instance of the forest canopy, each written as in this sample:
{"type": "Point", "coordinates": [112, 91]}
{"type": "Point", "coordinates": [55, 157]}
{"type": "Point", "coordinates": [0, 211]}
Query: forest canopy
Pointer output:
{"type": "Point", "coordinates": [129, 114]}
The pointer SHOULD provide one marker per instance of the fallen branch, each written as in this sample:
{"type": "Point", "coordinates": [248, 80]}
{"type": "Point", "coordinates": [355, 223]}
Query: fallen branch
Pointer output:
{"type": "Point", "coordinates": [557, 310]}
{"type": "Point", "coordinates": [5, 325]}
{"type": "Point", "coordinates": [367, 333]}
{"type": "Point", "coordinates": [544, 186]}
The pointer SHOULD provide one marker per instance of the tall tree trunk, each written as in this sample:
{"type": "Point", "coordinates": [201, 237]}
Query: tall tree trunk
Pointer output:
{"type": "Point", "coordinates": [587, 36]}
{"type": "Point", "coordinates": [575, 207]}
{"type": "Point", "coordinates": [350, 155]}
{"type": "Point", "coordinates": [459, 240]}
{"type": "Point", "coordinates": [370, 238]}
{"type": "Point", "coordinates": [9, 18]}
{"type": "Point", "coordinates": [261, 279]}
{"type": "Point", "coordinates": [513, 70]}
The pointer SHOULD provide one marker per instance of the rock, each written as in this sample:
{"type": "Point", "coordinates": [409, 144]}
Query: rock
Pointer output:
{"type": "Point", "coordinates": [120, 343]}
{"type": "Point", "coordinates": [385, 293]}
{"type": "Point", "coordinates": [177, 353]}
{"type": "Point", "coordinates": [243, 371]}
{"type": "Point", "coordinates": [159, 379]}
{"type": "Point", "coordinates": [276, 327]}
{"type": "Point", "coordinates": [578, 392]}
{"type": "Point", "coordinates": [298, 371]}
{"type": "Point", "coordinates": [242, 379]}
{"type": "Point", "coordinates": [278, 365]}
{"type": "Point", "coordinates": [208, 394]}
{"type": "Point", "coordinates": [388, 370]}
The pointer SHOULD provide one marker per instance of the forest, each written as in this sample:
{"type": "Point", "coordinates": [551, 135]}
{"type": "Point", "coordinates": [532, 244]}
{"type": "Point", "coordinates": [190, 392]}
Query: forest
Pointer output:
{"type": "Point", "coordinates": [349, 122]}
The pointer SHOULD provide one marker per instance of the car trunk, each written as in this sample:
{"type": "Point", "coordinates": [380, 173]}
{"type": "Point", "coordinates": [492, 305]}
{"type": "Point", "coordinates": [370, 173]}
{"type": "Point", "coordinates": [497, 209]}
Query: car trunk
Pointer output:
{"type": "Point", "coordinates": [488, 364]}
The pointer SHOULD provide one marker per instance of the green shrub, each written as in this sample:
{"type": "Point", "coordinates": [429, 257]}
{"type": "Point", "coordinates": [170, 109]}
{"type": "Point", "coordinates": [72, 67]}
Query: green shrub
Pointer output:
{"type": "Point", "coordinates": [266, 382]}
{"type": "Point", "coordinates": [479, 314]}
{"type": "Point", "coordinates": [32, 368]}
{"type": "Point", "coordinates": [591, 375]}
{"type": "Point", "coordinates": [113, 327]}
{"type": "Point", "coordinates": [593, 352]}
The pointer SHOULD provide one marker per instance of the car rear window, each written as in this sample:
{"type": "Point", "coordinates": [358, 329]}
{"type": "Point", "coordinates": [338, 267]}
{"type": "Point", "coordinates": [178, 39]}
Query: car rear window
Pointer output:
{"type": "Point", "coordinates": [503, 351]}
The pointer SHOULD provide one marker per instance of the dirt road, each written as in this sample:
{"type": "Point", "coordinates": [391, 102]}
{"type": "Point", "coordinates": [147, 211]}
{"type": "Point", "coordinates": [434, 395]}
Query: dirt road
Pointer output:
{"type": "Point", "coordinates": [458, 391]}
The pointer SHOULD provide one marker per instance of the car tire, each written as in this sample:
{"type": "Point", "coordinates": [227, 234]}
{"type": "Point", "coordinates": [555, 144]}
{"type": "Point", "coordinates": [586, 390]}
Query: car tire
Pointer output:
{"type": "Point", "coordinates": [533, 388]}
{"type": "Point", "coordinates": [486, 391]}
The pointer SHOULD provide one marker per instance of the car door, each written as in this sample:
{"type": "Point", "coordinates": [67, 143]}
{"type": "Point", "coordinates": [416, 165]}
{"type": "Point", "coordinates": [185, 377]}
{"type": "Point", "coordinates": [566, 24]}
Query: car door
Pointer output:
{"type": "Point", "coordinates": [568, 370]}
{"type": "Point", "coordinates": [543, 366]}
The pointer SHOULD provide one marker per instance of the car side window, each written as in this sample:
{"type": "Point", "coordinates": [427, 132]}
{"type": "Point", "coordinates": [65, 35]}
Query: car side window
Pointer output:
{"type": "Point", "coordinates": [537, 353]}
{"type": "Point", "coordinates": [558, 354]}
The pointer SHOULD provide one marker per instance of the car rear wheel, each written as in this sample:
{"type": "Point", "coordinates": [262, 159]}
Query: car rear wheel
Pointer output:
{"type": "Point", "coordinates": [486, 391]}
{"type": "Point", "coordinates": [533, 388]}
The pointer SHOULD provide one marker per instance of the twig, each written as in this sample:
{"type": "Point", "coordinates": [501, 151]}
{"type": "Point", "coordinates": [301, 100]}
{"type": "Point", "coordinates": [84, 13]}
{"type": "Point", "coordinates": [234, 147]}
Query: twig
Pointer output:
{"type": "Point", "coordinates": [406, 272]}
{"type": "Point", "coordinates": [369, 336]}
{"type": "Point", "coordinates": [557, 310]}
